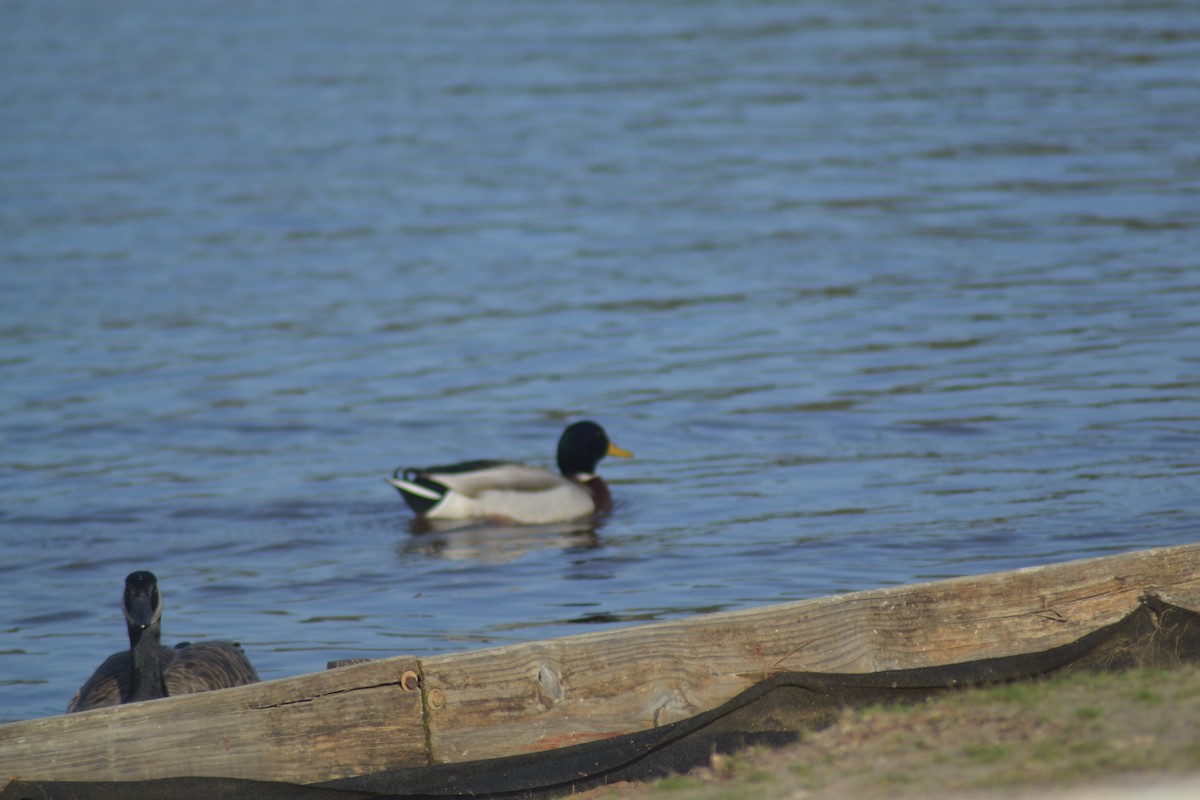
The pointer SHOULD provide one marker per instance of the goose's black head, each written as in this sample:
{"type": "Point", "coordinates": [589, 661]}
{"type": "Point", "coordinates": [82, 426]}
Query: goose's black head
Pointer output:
{"type": "Point", "coordinates": [143, 603]}
{"type": "Point", "coordinates": [582, 446]}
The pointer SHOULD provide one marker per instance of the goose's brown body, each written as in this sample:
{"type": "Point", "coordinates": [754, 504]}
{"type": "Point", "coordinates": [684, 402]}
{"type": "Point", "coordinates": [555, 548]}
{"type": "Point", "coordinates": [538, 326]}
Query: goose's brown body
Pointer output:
{"type": "Point", "coordinates": [147, 670]}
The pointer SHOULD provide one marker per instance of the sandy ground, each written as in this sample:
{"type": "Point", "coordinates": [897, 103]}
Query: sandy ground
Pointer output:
{"type": "Point", "coordinates": [1128, 735]}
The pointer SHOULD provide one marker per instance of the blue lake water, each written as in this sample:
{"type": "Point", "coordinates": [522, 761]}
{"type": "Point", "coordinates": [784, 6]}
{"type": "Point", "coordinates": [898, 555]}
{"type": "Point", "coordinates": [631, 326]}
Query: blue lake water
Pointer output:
{"type": "Point", "coordinates": [877, 292]}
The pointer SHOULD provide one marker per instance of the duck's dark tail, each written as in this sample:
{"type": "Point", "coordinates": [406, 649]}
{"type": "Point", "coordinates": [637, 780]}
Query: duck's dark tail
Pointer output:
{"type": "Point", "coordinates": [419, 492]}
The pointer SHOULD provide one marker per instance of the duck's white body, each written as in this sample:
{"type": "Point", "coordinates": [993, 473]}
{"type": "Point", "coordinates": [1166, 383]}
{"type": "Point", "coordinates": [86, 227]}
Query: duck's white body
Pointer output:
{"type": "Point", "coordinates": [508, 491]}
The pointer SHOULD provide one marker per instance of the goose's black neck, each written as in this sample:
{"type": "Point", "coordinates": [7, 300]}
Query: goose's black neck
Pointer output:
{"type": "Point", "coordinates": [145, 647]}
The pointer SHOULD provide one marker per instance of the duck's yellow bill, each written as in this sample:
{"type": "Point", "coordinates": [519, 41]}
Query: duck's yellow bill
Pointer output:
{"type": "Point", "coordinates": [621, 452]}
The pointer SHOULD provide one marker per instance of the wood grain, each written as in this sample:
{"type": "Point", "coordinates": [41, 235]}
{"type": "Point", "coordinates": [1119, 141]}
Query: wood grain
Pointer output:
{"type": "Point", "coordinates": [495, 702]}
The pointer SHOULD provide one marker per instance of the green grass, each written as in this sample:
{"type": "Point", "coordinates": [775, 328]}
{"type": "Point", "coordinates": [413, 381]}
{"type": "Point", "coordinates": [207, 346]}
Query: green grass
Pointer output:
{"type": "Point", "coordinates": [675, 783]}
{"type": "Point", "coordinates": [1147, 696]}
{"type": "Point", "coordinates": [1075, 729]}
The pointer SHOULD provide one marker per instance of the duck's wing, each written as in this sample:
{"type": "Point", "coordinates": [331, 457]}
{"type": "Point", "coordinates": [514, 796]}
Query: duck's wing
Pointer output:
{"type": "Point", "coordinates": [205, 666]}
{"type": "Point", "coordinates": [426, 487]}
{"type": "Point", "coordinates": [506, 476]}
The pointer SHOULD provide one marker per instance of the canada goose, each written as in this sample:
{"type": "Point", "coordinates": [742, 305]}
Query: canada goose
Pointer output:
{"type": "Point", "coordinates": [515, 492]}
{"type": "Point", "coordinates": [147, 669]}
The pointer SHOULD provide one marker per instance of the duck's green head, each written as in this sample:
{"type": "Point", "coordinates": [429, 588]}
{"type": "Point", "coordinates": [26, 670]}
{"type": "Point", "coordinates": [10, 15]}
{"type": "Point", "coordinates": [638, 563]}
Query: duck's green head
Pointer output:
{"type": "Point", "coordinates": [582, 446]}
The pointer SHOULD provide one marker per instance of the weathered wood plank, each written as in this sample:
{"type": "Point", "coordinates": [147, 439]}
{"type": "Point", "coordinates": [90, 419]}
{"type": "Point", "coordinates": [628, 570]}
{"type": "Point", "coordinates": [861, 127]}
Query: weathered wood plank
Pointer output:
{"type": "Point", "coordinates": [349, 721]}
{"type": "Point", "coordinates": [367, 718]}
{"type": "Point", "coordinates": [530, 697]}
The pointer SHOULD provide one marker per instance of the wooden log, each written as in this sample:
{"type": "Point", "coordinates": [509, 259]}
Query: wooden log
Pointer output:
{"type": "Point", "coordinates": [530, 697]}
{"type": "Point", "coordinates": [367, 718]}
{"type": "Point", "coordinates": [349, 721]}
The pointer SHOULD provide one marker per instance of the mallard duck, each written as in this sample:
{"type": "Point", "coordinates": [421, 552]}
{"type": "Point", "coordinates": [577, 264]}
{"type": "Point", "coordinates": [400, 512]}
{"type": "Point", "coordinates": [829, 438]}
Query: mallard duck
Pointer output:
{"type": "Point", "coordinates": [147, 670]}
{"type": "Point", "coordinates": [514, 492]}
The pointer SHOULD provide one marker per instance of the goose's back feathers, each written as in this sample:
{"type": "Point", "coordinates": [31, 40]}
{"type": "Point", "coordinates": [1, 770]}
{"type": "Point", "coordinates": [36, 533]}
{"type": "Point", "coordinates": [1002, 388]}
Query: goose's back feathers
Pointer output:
{"type": "Point", "coordinates": [109, 685]}
{"type": "Point", "coordinates": [187, 669]}
{"type": "Point", "coordinates": [205, 666]}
